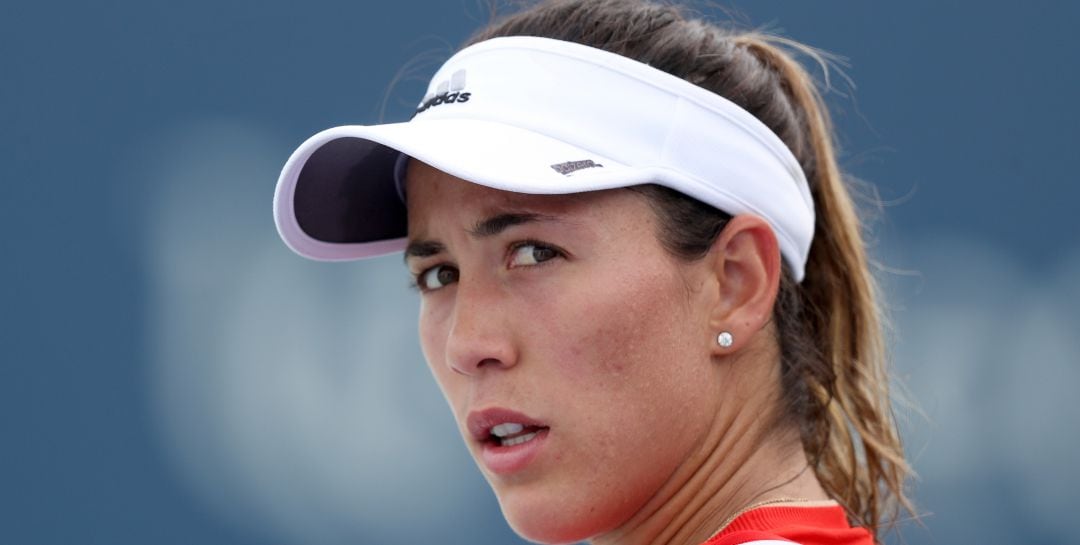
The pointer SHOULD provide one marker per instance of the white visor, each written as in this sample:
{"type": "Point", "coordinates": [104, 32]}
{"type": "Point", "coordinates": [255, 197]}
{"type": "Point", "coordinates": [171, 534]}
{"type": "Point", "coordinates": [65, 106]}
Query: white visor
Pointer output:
{"type": "Point", "coordinates": [541, 116]}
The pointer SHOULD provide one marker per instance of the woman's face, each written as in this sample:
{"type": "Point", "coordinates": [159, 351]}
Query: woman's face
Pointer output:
{"type": "Point", "coordinates": [562, 325]}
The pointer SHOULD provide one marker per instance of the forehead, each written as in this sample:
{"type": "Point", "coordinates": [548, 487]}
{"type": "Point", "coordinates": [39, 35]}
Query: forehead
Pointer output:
{"type": "Point", "coordinates": [433, 195]}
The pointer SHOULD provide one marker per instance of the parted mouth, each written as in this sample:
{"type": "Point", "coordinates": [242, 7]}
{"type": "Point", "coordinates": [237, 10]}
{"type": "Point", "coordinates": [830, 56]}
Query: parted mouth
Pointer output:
{"type": "Point", "coordinates": [512, 433]}
{"type": "Point", "coordinates": [503, 427]}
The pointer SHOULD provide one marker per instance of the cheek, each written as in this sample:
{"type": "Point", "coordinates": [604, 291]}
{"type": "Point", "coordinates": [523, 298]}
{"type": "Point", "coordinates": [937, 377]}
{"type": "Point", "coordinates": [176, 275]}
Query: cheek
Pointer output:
{"type": "Point", "coordinates": [622, 328]}
{"type": "Point", "coordinates": [432, 329]}
{"type": "Point", "coordinates": [632, 343]}
{"type": "Point", "coordinates": [622, 364]}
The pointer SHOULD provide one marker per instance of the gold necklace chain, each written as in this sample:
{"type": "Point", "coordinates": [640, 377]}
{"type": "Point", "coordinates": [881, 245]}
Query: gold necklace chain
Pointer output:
{"type": "Point", "coordinates": [753, 506]}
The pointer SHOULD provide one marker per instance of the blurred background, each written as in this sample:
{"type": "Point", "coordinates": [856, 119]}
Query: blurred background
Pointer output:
{"type": "Point", "coordinates": [171, 373]}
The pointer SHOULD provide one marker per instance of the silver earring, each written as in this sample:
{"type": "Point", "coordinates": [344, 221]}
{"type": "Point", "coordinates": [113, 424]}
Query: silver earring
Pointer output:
{"type": "Point", "coordinates": [725, 339]}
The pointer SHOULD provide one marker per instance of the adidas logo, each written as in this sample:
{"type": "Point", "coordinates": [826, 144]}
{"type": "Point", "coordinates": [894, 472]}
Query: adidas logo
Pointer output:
{"type": "Point", "coordinates": [447, 92]}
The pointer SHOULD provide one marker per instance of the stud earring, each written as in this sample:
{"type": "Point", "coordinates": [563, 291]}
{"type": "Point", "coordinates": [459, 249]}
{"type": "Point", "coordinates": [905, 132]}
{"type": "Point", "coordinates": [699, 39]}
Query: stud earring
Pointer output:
{"type": "Point", "coordinates": [725, 339]}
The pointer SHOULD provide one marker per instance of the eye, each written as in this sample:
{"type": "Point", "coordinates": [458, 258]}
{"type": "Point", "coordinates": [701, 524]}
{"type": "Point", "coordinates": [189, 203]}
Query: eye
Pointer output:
{"type": "Point", "coordinates": [531, 253]}
{"type": "Point", "coordinates": [436, 277]}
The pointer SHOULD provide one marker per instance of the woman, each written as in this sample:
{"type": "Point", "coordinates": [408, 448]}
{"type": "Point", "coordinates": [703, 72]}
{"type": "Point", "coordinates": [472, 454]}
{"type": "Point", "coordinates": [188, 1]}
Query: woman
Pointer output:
{"type": "Point", "coordinates": [644, 290]}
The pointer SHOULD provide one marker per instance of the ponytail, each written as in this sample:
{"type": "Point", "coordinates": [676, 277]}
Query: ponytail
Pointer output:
{"type": "Point", "coordinates": [850, 435]}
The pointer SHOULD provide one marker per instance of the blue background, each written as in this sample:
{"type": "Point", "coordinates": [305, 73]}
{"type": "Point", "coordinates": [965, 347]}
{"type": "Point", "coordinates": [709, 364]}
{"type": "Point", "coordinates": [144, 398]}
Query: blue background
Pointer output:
{"type": "Point", "coordinates": [172, 374]}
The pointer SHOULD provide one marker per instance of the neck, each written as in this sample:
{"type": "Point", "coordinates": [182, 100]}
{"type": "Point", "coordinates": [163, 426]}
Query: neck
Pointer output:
{"type": "Point", "coordinates": [739, 464]}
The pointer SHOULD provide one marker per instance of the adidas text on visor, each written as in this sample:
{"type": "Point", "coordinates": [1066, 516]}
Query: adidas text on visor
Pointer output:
{"type": "Point", "coordinates": [542, 116]}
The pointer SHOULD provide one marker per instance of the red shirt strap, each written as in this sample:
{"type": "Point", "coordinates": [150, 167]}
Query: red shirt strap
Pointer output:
{"type": "Point", "coordinates": [746, 536]}
{"type": "Point", "coordinates": [806, 525]}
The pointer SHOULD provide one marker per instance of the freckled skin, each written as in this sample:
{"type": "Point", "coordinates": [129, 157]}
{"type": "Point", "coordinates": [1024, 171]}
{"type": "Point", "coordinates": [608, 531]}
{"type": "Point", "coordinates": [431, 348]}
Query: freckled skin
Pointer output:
{"type": "Point", "coordinates": [606, 346]}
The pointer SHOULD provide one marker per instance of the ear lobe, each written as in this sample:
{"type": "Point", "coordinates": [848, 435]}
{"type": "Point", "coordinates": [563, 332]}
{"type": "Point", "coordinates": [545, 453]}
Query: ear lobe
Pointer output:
{"type": "Point", "coordinates": [746, 264]}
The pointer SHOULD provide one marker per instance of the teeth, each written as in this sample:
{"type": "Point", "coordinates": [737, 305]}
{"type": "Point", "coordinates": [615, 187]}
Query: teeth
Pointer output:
{"type": "Point", "coordinates": [509, 428]}
{"type": "Point", "coordinates": [518, 440]}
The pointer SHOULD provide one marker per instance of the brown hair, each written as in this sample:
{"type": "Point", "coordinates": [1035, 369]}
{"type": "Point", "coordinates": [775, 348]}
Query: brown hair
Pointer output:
{"type": "Point", "coordinates": [829, 326]}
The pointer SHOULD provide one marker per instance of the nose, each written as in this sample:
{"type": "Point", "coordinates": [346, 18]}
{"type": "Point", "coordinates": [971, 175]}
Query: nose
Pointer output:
{"type": "Point", "coordinates": [480, 338]}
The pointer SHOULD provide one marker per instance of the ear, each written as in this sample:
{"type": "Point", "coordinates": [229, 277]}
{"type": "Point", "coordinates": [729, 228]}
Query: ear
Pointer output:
{"type": "Point", "coordinates": [746, 263]}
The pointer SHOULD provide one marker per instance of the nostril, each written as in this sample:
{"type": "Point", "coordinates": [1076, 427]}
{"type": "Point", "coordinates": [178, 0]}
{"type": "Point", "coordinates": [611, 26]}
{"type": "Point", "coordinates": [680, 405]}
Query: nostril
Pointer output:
{"type": "Point", "coordinates": [473, 365]}
{"type": "Point", "coordinates": [478, 341]}
{"type": "Point", "coordinates": [483, 363]}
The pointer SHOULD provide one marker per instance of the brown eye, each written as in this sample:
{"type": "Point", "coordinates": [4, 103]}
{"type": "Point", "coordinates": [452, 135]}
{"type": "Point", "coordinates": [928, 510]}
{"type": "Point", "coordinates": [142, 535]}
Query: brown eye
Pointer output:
{"type": "Point", "coordinates": [531, 254]}
{"type": "Point", "coordinates": [437, 277]}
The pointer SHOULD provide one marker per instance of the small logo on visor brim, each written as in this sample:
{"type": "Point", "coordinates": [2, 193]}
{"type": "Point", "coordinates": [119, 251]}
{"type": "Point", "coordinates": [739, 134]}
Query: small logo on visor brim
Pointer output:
{"type": "Point", "coordinates": [571, 167]}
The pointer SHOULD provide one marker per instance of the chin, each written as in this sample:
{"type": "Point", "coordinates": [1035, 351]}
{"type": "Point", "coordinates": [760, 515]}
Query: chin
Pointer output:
{"type": "Point", "coordinates": [545, 528]}
{"type": "Point", "coordinates": [554, 519]}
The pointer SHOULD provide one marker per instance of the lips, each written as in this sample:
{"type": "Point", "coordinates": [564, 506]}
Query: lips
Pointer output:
{"type": "Point", "coordinates": [481, 424]}
{"type": "Point", "coordinates": [509, 440]}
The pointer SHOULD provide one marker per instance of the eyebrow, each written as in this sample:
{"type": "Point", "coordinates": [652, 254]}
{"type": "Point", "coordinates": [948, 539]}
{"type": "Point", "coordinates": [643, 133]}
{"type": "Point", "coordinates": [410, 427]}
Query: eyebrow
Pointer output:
{"type": "Point", "coordinates": [423, 248]}
{"type": "Point", "coordinates": [496, 224]}
{"type": "Point", "coordinates": [487, 227]}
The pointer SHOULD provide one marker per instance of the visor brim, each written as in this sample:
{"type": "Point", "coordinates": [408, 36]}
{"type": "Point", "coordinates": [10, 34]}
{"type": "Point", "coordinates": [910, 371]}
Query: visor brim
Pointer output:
{"type": "Point", "coordinates": [337, 198]}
